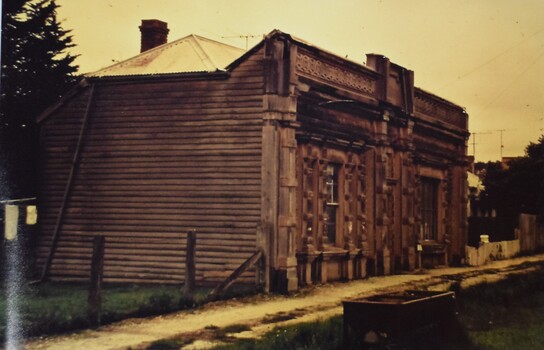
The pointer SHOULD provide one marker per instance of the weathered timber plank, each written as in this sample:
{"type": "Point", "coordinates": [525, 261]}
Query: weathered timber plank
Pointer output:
{"type": "Point", "coordinates": [123, 209]}
{"type": "Point", "coordinates": [179, 113]}
{"type": "Point", "coordinates": [168, 150]}
{"type": "Point", "coordinates": [230, 187]}
{"type": "Point", "coordinates": [189, 137]}
{"type": "Point", "coordinates": [228, 95]}
{"type": "Point", "coordinates": [161, 213]}
{"type": "Point", "coordinates": [150, 264]}
{"type": "Point", "coordinates": [143, 258]}
{"type": "Point", "coordinates": [77, 240]}
{"type": "Point", "coordinates": [180, 110]}
{"type": "Point", "coordinates": [157, 172]}
{"type": "Point", "coordinates": [242, 235]}
{"type": "Point", "coordinates": [163, 161]}
{"type": "Point", "coordinates": [140, 275]}
{"type": "Point", "coordinates": [155, 207]}
{"type": "Point", "coordinates": [173, 280]}
{"type": "Point", "coordinates": [100, 224]}
{"type": "Point", "coordinates": [68, 279]}
{"type": "Point", "coordinates": [202, 99]}
{"type": "Point", "coordinates": [158, 270]}
{"type": "Point", "coordinates": [148, 219]}
{"type": "Point", "coordinates": [152, 129]}
{"type": "Point", "coordinates": [155, 202]}
{"type": "Point", "coordinates": [152, 180]}
{"type": "Point", "coordinates": [80, 264]}
{"type": "Point", "coordinates": [160, 103]}
{"type": "Point", "coordinates": [149, 226]}
{"type": "Point", "coordinates": [232, 141]}
{"type": "Point", "coordinates": [233, 192]}
{"type": "Point", "coordinates": [159, 146]}
{"type": "Point", "coordinates": [183, 124]}
{"type": "Point", "coordinates": [226, 165]}
{"type": "Point", "coordinates": [166, 178]}
{"type": "Point", "coordinates": [183, 167]}
{"type": "Point", "coordinates": [69, 271]}
{"type": "Point", "coordinates": [239, 189]}
{"type": "Point", "coordinates": [190, 87]}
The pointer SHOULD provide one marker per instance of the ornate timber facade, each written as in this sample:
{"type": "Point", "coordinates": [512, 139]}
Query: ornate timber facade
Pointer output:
{"type": "Point", "coordinates": [333, 169]}
{"type": "Point", "coordinates": [368, 168]}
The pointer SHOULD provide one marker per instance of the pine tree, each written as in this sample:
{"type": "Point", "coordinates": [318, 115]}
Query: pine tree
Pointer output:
{"type": "Point", "coordinates": [36, 70]}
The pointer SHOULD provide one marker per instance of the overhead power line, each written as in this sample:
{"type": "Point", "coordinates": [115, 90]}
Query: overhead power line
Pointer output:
{"type": "Point", "coordinates": [492, 59]}
{"type": "Point", "coordinates": [501, 131]}
{"type": "Point", "coordinates": [496, 97]}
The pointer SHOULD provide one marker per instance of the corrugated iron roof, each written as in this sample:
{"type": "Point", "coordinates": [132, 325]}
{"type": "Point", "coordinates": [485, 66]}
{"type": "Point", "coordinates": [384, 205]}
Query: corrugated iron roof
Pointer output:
{"type": "Point", "coordinates": [190, 54]}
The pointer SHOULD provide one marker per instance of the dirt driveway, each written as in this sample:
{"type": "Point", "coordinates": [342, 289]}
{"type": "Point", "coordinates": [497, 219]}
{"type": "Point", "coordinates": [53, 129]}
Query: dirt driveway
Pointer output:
{"type": "Point", "coordinates": [262, 313]}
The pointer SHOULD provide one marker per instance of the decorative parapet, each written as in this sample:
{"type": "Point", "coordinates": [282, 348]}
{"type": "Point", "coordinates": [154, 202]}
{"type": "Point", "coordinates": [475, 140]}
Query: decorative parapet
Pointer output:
{"type": "Point", "coordinates": [434, 108]}
{"type": "Point", "coordinates": [344, 77]}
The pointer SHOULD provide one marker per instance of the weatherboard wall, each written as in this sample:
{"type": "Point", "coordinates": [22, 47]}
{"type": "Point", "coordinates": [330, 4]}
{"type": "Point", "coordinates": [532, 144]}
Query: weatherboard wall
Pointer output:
{"type": "Point", "coordinates": [160, 157]}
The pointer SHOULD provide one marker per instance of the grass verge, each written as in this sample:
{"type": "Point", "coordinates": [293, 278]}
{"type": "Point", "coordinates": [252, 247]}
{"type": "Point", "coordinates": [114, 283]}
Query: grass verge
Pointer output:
{"type": "Point", "coordinates": [59, 307]}
{"type": "Point", "coordinates": [500, 316]}
{"type": "Point", "coordinates": [505, 315]}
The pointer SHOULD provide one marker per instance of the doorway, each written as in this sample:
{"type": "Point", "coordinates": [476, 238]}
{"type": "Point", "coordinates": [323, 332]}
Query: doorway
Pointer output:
{"type": "Point", "coordinates": [429, 209]}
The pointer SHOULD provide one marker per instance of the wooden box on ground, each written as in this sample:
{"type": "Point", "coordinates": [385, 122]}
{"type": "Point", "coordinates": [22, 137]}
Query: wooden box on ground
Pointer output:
{"type": "Point", "coordinates": [399, 315]}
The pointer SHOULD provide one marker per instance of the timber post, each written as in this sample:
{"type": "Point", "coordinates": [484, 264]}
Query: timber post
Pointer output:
{"type": "Point", "coordinates": [190, 272]}
{"type": "Point", "coordinates": [97, 272]}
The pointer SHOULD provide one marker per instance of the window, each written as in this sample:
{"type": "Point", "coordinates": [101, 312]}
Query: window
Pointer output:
{"type": "Point", "coordinates": [331, 202]}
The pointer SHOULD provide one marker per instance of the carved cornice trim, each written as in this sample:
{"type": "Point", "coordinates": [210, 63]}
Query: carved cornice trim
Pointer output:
{"type": "Point", "coordinates": [342, 77]}
{"type": "Point", "coordinates": [434, 107]}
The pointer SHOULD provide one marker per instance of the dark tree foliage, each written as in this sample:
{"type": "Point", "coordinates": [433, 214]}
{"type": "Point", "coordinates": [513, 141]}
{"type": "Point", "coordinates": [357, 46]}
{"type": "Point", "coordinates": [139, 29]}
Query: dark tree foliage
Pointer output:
{"type": "Point", "coordinates": [36, 71]}
{"type": "Point", "coordinates": [518, 187]}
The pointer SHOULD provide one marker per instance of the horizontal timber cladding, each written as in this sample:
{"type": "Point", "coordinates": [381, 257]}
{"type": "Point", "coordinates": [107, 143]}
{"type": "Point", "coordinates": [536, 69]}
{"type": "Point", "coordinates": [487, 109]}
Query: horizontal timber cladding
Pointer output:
{"type": "Point", "coordinates": [159, 158]}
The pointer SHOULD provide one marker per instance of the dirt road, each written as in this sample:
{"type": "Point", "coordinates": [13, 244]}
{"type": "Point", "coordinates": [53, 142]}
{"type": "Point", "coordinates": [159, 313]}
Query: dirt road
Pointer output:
{"type": "Point", "coordinates": [263, 313]}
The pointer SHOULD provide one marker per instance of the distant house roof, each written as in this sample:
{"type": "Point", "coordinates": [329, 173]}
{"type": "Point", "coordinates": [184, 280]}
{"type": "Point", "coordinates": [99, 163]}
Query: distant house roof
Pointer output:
{"type": "Point", "coordinates": [192, 53]}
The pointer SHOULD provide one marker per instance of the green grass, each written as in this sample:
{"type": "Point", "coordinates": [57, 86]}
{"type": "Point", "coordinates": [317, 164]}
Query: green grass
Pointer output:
{"type": "Point", "coordinates": [54, 307]}
{"type": "Point", "coordinates": [211, 332]}
{"type": "Point", "coordinates": [59, 307]}
{"type": "Point", "coordinates": [506, 315]}
{"type": "Point", "coordinates": [324, 335]}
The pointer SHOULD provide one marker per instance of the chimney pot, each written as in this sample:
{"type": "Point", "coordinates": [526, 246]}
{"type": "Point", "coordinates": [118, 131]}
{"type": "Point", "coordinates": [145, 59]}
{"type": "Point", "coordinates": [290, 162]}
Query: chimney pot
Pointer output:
{"type": "Point", "coordinates": [154, 33]}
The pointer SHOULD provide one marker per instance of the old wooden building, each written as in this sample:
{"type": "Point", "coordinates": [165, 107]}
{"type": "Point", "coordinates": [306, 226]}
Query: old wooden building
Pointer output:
{"type": "Point", "coordinates": [333, 169]}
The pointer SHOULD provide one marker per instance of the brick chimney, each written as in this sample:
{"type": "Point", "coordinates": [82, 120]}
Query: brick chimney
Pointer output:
{"type": "Point", "coordinates": [154, 33]}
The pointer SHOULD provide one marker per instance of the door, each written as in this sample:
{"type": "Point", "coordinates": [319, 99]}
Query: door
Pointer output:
{"type": "Point", "coordinates": [429, 208]}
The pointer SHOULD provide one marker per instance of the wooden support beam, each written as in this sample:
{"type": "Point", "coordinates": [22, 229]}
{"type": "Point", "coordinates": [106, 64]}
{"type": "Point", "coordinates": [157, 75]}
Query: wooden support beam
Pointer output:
{"type": "Point", "coordinates": [67, 190]}
{"type": "Point", "coordinates": [252, 260]}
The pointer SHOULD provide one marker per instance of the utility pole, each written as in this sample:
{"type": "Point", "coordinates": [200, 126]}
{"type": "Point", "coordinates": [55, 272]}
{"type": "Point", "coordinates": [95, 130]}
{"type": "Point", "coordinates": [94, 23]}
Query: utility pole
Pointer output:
{"type": "Point", "coordinates": [473, 134]}
{"type": "Point", "coordinates": [502, 145]}
{"type": "Point", "coordinates": [242, 37]}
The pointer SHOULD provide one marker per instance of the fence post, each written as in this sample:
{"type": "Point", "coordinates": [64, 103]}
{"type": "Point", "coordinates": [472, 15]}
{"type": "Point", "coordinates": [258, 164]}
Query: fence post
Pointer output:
{"type": "Point", "coordinates": [190, 264]}
{"type": "Point", "coordinates": [95, 289]}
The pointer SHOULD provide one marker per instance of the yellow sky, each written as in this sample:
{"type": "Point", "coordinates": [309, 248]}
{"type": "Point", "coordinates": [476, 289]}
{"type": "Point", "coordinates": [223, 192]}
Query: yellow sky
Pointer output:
{"type": "Point", "coordinates": [485, 55]}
